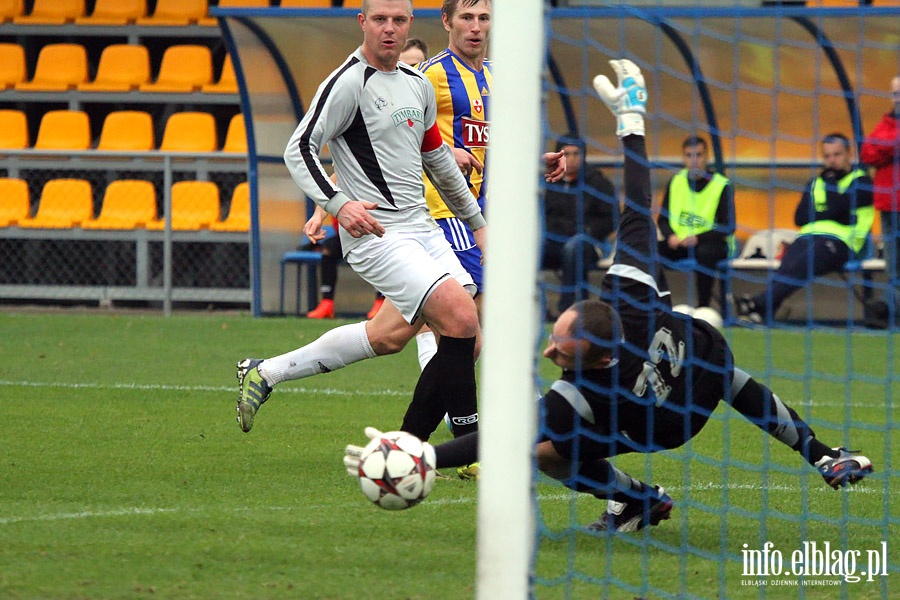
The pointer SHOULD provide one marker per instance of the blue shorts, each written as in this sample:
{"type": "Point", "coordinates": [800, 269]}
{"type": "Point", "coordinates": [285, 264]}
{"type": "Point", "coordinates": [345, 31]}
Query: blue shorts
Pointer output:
{"type": "Point", "coordinates": [463, 243]}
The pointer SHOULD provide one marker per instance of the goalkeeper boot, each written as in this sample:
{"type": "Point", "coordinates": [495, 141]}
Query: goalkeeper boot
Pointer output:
{"type": "Point", "coordinates": [627, 100]}
{"type": "Point", "coordinates": [625, 517]}
{"type": "Point", "coordinates": [846, 469]}
{"type": "Point", "coordinates": [253, 390]}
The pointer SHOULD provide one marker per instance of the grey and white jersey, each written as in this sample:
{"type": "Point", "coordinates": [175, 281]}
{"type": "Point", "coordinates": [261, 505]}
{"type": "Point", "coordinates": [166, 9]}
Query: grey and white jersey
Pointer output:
{"type": "Point", "coordinates": [380, 128]}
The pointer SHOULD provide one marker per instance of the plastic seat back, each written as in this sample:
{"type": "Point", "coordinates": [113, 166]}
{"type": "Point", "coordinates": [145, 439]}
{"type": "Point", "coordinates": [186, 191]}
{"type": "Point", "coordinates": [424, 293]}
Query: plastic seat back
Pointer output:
{"type": "Point", "coordinates": [52, 12]}
{"type": "Point", "coordinates": [59, 67]}
{"type": "Point", "coordinates": [227, 83]}
{"type": "Point", "coordinates": [239, 213]}
{"type": "Point", "coordinates": [15, 204]}
{"type": "Point", "coordinates": [195, 205]}
{"type": "Point", "coordinates": [305, 3]}
{"type": "Point", "coordinates": [243, 3]}
{"type": "Point", "coordinates": [64, 130]}
{"type": "Point", "coordinates": [123, 67]}
{"type": "Point", "coordinates": [12, 65]}
{"type": "Point", "coordinates": [190, 132]}
{"type": "Point", "coordinates": [176, 12]}
{"type": "Point", "coordinates": [236, 137]}
{"type": "Point", "coordinates": [184, 68]}
{"type": "Point", "coordinates": [115, 12]}
{"type": "Point", "coordinates": [127, 131]}
{"type": "Point", "coordinates": [127, 204]}
{"type": "Point", "coordinates": [64, 203]}
{"type": "Point", "coordinates": [9, 9]}
{"type": "Point", "coordinates": [13, 129]}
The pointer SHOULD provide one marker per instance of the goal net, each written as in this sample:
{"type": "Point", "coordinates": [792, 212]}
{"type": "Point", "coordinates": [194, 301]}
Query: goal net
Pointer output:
{"type": "Point", "coordinates": [763, 85]}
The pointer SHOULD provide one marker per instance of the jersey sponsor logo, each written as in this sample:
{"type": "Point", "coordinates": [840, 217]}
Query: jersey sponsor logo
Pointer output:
{"type": "Point", "coordinates": [408, 116]}
{"type": "Point", "coordinates": [475, 134]}
{"type": "Point", "coordinates": [477, 106]}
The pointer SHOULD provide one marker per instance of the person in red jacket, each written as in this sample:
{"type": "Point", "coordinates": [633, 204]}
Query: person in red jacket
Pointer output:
{"type": "Point", "coordinates": [881, 149]}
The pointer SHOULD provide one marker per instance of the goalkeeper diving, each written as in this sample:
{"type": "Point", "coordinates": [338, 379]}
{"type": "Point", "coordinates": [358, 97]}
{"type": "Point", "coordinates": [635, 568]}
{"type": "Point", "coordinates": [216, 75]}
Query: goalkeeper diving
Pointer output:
{"type": "Point", "coordinates": [637, 377]}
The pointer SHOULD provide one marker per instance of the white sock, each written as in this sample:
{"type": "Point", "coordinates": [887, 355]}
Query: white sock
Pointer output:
{"type": "Point", "coordinates": [427, 345]}
{"type": "Point", "coordinates": [333, 350]}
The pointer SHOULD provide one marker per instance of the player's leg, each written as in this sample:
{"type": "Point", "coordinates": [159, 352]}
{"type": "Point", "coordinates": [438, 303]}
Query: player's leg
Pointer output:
{"type": "Point", "coordinates": [328, 269]}
{"type": "Point", "coordinates": [708, 256]}
{"type": "Point", "coordinates": [766, 410]}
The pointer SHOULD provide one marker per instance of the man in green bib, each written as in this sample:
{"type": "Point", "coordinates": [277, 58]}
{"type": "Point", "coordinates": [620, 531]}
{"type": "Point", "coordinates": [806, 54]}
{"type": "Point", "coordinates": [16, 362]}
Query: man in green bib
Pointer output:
{"type": "Point", "coordinates": [835, 217]}
{"type": "Point", "coordinates": [697, 216]}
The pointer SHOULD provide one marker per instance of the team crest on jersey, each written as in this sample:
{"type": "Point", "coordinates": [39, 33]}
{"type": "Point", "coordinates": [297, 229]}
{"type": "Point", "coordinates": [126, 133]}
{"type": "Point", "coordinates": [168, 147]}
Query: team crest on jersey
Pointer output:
{"type": "Point", "coordinates": [380, 103]}
{"type": "Point", "coordinates": [408, 116]}
{"type": "Point", "coordinates": [475, 134]}
{"type": "Point", "coordinates": [477, 106]}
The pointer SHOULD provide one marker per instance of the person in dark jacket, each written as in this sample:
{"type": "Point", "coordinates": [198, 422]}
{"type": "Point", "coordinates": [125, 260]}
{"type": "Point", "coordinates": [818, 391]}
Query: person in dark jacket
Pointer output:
{"type": "Point", "coordinates": [580, 214]}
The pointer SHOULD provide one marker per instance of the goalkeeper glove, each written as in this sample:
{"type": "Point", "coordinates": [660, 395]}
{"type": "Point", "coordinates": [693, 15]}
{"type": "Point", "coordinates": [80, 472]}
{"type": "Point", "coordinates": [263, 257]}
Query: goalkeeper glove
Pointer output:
{"type": "Point", "coordinates": [627, 100]}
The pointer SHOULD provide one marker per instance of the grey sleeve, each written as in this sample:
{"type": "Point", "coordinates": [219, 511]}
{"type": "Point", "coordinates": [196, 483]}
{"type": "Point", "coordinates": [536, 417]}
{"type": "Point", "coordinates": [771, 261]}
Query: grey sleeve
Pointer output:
{"type": "Point", "coordinates": [441, 168]}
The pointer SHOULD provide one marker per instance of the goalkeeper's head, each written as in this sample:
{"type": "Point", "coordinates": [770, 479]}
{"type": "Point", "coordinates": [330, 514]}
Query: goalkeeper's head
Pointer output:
{"type": "Point", "coordinates": [584, 336]}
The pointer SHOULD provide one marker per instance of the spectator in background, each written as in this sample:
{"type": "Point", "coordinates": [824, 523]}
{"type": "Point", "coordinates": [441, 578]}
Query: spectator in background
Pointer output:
{"type": "Point", "coordinates": [881, 149]}
{"type": "Point", "coordinates": [697, 216]}
{"type": "Point", "coordinates": [835, 217]}
{"type": "Point", "coordinates": [414, 52]}
{"type": "Point", "coordinates": [580, 213]}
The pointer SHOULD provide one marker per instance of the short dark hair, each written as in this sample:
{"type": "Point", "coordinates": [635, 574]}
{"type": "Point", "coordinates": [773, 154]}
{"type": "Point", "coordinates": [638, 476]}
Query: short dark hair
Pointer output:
{"type": "Point", "coordinates": [694, 140]}
{"type": "Point", "coordinates": [599, 324]}
{"type": "Point", "coordinates": [570, 138]}
{"type": "Point", "coordinates": [416, 43]}
{"type": "Point", "coordinates": [837, 138]}
{"type": "Point", "coordinates": [449, 7]}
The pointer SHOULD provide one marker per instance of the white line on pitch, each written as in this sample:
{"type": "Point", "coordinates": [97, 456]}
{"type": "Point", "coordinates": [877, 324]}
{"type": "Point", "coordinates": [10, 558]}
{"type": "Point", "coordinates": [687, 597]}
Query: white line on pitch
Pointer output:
{"type": "Point", "coordinates": [300, 390]}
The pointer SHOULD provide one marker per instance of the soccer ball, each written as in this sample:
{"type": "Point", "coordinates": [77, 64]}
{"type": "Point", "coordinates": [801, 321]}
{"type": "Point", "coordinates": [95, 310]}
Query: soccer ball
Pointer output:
{"type": "Point", "coordinates": [396, 470]}
{"type": "Point", "coordinates": [705, 313]}
{"type": "Point", "coordinates": [685, 309]}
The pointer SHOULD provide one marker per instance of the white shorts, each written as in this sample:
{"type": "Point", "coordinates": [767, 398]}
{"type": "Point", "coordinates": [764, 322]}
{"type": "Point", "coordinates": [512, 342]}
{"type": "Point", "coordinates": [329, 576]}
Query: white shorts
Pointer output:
{"type": "Point", "coordinates": [407, 267]}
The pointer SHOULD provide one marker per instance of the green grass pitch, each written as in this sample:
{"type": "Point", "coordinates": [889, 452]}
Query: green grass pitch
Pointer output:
{"type": "Point", "coordinates": [124, 475]}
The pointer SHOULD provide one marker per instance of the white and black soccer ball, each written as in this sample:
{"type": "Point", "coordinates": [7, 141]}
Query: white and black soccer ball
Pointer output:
{"type": "Point", "coordinates": [396, 470]}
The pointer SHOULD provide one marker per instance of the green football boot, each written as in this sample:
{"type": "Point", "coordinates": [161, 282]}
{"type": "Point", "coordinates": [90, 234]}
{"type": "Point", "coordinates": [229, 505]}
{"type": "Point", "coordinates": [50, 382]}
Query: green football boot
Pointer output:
{"type": "Point", "coordinates": [253, 390]}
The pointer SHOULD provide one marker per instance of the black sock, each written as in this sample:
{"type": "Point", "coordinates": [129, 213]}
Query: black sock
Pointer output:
{"type": "Point", "coordinates": [766, 410]}
{"type": "Point", "coordinates": [601, 479]}
{"type": "Point", "coordinates": [446, 385]}
{"type": "Point", "coordinates": [458, 452]}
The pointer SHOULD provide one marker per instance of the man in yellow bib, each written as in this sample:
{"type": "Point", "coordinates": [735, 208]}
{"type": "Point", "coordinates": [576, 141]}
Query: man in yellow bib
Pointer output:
{"type": "Point", "coordinates": [835, 217]}
{"type": "Point", "coordinates": [696, 218]}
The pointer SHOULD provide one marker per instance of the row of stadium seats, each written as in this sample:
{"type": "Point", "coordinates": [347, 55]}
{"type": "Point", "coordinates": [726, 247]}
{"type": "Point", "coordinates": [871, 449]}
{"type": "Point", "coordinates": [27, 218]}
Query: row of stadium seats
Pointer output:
{"type": "Point", "coordinates": [166, 13]}
{"type": "Point", "coordinates": [122, 131]}
{"type": "Point", "coordinates": [60, 67]}
{"type": "Point", "coordinates": [127, 204]}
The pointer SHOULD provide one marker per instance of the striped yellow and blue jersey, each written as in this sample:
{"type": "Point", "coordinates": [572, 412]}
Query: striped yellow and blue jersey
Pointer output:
{"type": "Point", "coordinates": [463, 101]}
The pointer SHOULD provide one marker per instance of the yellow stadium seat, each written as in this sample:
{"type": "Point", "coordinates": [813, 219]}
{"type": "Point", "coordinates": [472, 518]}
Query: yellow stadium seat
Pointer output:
{"type": "Point", "coordinates": [236, 137]}
{"type": "Point", "coordinates": [64, 130]}
{"type": "Point", "coordinates": [227, 83]}
{"type": "Point", "coordinates": [10, 9]}
{"type": "Point", "coordinates": [184, 68]}
{"type": "Point", "coordinates": [13, 129]}
{"type": "Point", "coordinates": [60, 67]}
{"type": "Point", "coordinates": [352, 4]}
{"type": "Point", "coordinates": [239, 214]}
{"type": "Point", "coordinates": [15, 204]}
{"type": "Point", "coordinates": [190, 132]}
{"type": "Point", "coordinates": [52, 12]}
{"type": "Point", "coordinates": [195, 205]}
{"type": "Point", "coordinates": [243, 3]}
{"type": "Point", "coordinates": [177, 12]}
{"type": "Point", "coordinates": [127, 131]}
{"type": "Point", "coordinates": [127, 204]}
{"type": "Point", "coordinates": [64, 203]}
{"type": "Point", "coordinates": [305, 3]}
{"type": "Point", "coordinates": [115, 12]}
{"type": "Point", "coordinates": [123, 67]}
{"type": "Point", "coordinates": [12, 65]}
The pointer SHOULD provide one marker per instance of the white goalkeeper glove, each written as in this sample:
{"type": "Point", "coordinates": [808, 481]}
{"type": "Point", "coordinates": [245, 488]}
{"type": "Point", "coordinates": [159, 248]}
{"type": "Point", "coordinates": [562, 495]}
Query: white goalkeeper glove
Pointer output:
{"type": "Point", "coordinates": [627, 100]}
{"type": "Point", "coordinates": [353, 453]}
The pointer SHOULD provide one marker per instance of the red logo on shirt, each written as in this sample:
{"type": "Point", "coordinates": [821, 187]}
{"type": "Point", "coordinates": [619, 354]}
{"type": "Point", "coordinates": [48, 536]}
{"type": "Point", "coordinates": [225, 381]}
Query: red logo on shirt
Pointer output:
{"type": "Point", "coordinates": [475, 134]}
